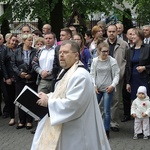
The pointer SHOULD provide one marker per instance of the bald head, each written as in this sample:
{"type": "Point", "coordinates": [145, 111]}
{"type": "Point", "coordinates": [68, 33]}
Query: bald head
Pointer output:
{"type": "Point", "coordinates": [1, 39]}
{"type": "Point", "coordinates": [146, 30]}
{"type": "Point", "coordinates": [46, 28]}
{"type": "Point", "coordinates": [120, 28]}
{"type": "Point", "coordinates": [129, 34]}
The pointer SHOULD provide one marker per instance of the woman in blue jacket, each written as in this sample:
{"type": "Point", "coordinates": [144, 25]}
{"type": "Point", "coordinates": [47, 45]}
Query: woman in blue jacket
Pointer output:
{"type": "Point", "coordinates": [85, 55]}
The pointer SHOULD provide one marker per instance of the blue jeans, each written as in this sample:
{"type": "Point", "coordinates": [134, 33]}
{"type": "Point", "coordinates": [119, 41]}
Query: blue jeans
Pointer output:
{"type": "Point", "coordinates": [107, 100]}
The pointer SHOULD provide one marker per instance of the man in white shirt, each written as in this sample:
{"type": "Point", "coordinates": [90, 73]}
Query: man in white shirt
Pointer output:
{"type": "Point", "coordinates": [43, 64]}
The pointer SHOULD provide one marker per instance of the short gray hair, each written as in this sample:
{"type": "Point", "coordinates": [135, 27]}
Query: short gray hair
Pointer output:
{"type": "Point", "coordinates": [74, 46]}
{"type": "Point", "coordinates": [1, 35]}
{"type": "Point", "coordinates": [25, 36]}
{"type": "Point", "coordinates": [146, 26]}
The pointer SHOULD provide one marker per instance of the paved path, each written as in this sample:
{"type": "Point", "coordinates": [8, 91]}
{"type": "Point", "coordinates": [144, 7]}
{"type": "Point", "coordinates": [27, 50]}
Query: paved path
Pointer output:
{"type": "Point", "coordinates": [12, 139]}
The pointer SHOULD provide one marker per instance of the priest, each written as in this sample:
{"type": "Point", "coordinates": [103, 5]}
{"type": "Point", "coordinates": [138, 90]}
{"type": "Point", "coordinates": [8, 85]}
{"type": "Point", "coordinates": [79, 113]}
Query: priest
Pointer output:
{"type": "Point", "coordinates": [74, 121]}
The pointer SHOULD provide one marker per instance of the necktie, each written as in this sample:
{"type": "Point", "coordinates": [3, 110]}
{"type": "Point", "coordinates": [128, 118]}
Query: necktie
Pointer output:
{"type": "Point", "coordinates": [120, 36]}
{"type": "Point", "coordinates": [146, 41]}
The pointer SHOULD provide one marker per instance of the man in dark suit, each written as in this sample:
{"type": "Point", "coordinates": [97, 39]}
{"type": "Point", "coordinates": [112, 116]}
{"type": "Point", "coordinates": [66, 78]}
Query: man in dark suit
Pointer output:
{"type": "Point", "coordinates": [120, 29]}
{"type": "Point", "coordinates": [126, 95]}
{"type": "Point", "coordinates": [146, 30]}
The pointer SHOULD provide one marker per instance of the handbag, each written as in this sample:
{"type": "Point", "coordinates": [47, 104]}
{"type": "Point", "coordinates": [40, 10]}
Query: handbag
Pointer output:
{"type": "Point", "coordinates": [24, 67]}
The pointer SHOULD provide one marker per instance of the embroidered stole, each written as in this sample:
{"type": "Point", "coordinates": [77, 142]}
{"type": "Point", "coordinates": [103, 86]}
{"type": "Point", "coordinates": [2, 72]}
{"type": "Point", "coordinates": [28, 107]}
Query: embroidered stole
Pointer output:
{"type": "Point", "coordinates": [50, 135]}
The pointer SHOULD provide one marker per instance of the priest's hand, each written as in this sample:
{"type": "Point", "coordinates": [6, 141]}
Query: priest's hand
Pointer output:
{"type": "Point", "coordinates": [43, 101]}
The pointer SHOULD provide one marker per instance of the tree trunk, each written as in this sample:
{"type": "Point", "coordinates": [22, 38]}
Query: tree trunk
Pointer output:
{"type": "Point", "coordinates": [57, 18]}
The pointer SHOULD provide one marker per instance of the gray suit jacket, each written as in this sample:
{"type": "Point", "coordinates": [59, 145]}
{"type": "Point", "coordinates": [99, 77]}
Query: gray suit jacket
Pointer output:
{"type": "Point", "coordinates": [120, 52]}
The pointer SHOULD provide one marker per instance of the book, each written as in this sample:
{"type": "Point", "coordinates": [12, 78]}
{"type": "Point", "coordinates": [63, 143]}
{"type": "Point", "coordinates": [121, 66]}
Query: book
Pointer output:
{"type": "Point", "coordinates": [26, 101]}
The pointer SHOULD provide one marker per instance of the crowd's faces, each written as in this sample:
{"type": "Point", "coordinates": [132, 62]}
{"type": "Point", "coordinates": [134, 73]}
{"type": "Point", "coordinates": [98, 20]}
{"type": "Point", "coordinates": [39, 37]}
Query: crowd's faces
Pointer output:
{"type": "Point", "coordinates": [135, 38]}
{"type": "Point", "coordinates": [64, 36]}
{"type": "Point", "coordinates": [13, 42]}
{"type": "Point", "coordinates": [67, 57]}
{"type": "Point", "coordinates": [103, 53]}
{"type": "Point", "coordinates": [119, 28]}
{"type": "Point", "coordinates": [7, 37]}
{"type": "Point", "coordinates": [77, 39]}
{"type": "Point", "coordinates": [86, 37]}
{"type": "Point", "coordinates": [112, 32]}
{"type": "Point", "coordinates": [26, 30]}
{"type": "Point", "coordinates": [49, 40]}
{"type": "Point", "coordinates": [35, 36]}
{"type": "Point", "coordinates": [99, 33]}
{"type": "Point", "coordinates": [38, 45]}
{"type": "Point", "coordinates": [146, 31]}
{"type": "Point", "coordinates": [45, 29]}
{"type": "Point", "coordinates": [129, 34]}
{"type": "Point", "coordinates": [73, 30]}
{"type": "Point", "coordinates": [19, 38]}
{"type": "Point", "coordinates": [1, 40]}
{"type": "Point", "coordinates": [28, 42]}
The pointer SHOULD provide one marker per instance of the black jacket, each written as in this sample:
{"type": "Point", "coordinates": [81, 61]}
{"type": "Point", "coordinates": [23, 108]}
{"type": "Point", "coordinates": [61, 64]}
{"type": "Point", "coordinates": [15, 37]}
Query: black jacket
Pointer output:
{"type": "Point", "coordinates": [6, 56]}
{"type": "Point", "coordinates": [2, 48]}
{"type": "Point", "coordinates": [17, 62]}
{"type": "Point", "coordinates": [144, 60]}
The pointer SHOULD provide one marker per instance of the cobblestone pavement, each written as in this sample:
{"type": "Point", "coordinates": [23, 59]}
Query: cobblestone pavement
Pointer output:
{"type": "Point", "coordinates": [12, 139]}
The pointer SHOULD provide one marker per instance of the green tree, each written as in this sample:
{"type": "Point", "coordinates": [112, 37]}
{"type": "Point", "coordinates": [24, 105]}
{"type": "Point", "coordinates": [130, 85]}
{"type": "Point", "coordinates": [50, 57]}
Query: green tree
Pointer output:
{"type": "Point", "coordinates": [47, 10]}
{"type": "Point", "coordinates": [56, 12]}
{"type": "Point", "coordinates": [142, 8]}
{"type": "Point", "coordinates": [127, 20]}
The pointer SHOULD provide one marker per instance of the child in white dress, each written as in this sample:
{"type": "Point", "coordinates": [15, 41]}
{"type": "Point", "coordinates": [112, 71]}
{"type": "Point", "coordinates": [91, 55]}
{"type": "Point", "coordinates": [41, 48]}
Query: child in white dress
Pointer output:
{"type": "Point", "coordinates": [140, 110]}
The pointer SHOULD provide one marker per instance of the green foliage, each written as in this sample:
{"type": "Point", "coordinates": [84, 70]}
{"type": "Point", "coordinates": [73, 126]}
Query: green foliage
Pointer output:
{"type": "Point", "coordinates": [127, 20]}
{"type": "Point", "coordinates": [35, 8]}
{"type": "Point", "coordinates": [143, 10]}
{"type": "Point", "coordinates": [88, 6]}
{"type": "Point", "coordinates": [42, 8]}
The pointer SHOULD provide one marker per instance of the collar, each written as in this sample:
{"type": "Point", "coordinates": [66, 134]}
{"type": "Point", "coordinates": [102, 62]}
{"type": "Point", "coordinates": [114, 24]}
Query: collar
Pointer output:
{"type": "Point", "coordinates": [113, 43]}
{"type": "Point", "coordinates": [53, 47]}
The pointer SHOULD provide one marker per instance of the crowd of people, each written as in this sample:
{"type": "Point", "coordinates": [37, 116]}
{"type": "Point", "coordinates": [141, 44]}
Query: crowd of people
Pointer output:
{"type": "Point", "coordinates": [70, 73]}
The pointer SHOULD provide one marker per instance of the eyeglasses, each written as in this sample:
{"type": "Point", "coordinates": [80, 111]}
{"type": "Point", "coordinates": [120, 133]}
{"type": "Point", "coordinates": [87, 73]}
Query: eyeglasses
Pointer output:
{"type": "Point", "coordinates": [65, 52]}
{"type": "Point", "coordinates": [107, 51]}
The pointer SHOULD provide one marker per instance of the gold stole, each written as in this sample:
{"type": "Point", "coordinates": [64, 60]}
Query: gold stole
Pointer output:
{"type": "Point", "coordinates": [50, 135]}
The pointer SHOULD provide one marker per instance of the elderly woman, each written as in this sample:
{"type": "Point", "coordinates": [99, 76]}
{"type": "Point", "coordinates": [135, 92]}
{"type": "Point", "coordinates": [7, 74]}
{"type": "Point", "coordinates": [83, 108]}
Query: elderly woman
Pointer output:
{"type": "Point", "coordinates": [24, 74]}
{"type": "Point", "coordinates": [138, 64]}
{"type": "Point", "coordinates": [39, 42]}
{"type": "Point", "coordinates": [105, 75]}
{"type": "Point", "coordinates": [8, 74]}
